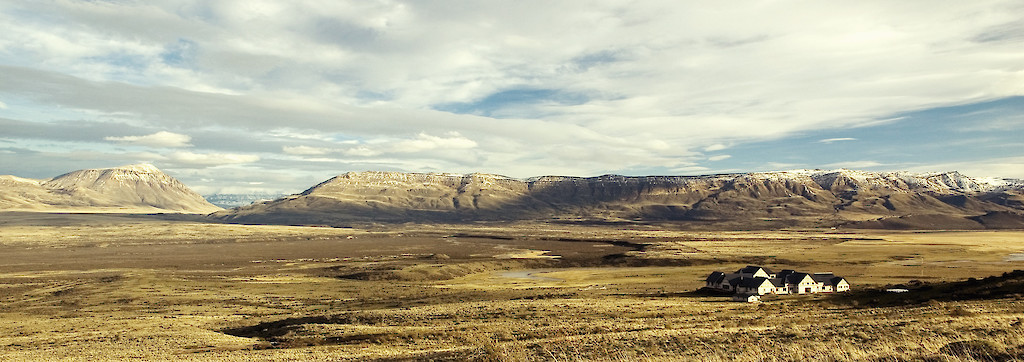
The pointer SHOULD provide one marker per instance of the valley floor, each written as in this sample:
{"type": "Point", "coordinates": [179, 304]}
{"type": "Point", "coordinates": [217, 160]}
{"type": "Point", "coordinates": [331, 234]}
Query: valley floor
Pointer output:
{"type": "Point", "coordinates": [123, 287]}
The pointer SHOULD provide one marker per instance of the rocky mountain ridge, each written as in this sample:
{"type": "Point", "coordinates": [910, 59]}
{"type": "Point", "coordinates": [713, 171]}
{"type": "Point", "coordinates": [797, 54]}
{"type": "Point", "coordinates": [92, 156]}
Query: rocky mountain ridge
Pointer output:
{"type": "Point", "coordinates": [131, 188]}
{"type": "Point", "coordinates": [762, 199]}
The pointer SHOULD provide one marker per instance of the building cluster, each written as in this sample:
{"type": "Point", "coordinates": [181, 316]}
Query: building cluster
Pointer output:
{"type": "Point", "coordinates": [753, 281]}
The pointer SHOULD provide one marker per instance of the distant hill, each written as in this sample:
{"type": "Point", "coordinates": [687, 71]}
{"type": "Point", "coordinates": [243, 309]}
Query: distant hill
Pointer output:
{"type": "Point", "coordinates": [733, 201]}
{"type": "Point", "coordinates": [235, 200]}
{"type": "Point", "coordinates": [133, 188]}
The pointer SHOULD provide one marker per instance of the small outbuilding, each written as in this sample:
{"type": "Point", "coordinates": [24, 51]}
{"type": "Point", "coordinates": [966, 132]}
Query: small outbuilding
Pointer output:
{"type": "Point", "coordinates": [748, 298]}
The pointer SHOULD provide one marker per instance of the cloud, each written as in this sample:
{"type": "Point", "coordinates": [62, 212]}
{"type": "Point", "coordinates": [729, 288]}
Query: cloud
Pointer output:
{"type": "Point", "coordinates": [3, 105]}
{"type": "Point", "coordinates": [426, 142]}
{"type": "Point", "coordinates": [201, 160]}
{"type": "Point", "coordinates": [422, 144]}
{"type": "Point", "coordinates": [362, 151]}
{"type": "Point", "coordinates": [305, 150]}
{"type": "Point", "coordinates": [718, 158]}
{"type": "Point", "coordinates": [530, 87]}
{"type": "Point", "coordinates": [841, 139]}
{"type": "Point", "coordinates": [715, 147]}
{"type": "Point", "coordinates": [775, 166]}
{"type": "Point", "coordinates": [1000, 167]}
{"type": "Point", "coordinates": [159, 139]}
{"type": "Point", "coordinates": [297, 134]}
{"type": "Point", "coordinates": [855, 164]}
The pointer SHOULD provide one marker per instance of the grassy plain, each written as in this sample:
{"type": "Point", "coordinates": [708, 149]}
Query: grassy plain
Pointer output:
{"type": "Point", "coordinates": [110, 287]}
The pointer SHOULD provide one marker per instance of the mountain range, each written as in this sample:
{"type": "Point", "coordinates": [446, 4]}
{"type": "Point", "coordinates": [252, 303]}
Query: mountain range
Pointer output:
{"type": "Point", "coordinates": [138, 188]}
{"type": "Point", "coordinates": [800, 198]}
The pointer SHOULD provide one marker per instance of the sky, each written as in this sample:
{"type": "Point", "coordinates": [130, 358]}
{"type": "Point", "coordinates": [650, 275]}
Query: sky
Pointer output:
{"type": "Point", "coordinates": [276, 96]}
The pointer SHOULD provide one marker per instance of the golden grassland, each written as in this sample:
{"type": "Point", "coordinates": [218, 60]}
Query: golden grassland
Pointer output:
{"type": "Point", "coordinates": [158, 289]}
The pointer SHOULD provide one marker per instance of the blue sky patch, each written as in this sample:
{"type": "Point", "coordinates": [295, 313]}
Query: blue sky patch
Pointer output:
{"type": "Point", "coordinates": [180, 54]}
{"type": "Point", "coordinates": [514, 103]}
{"type": "Point", "coordinates": [932, 136]}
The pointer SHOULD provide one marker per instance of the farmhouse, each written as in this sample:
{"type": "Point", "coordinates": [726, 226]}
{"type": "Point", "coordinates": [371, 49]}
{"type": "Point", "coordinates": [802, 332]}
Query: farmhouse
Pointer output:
{"type": "Point", "coordinates": [756, 280]}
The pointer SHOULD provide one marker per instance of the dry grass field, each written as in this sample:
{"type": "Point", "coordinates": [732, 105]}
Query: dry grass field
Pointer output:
{"type": "Point", "coordinates": [118, 287]}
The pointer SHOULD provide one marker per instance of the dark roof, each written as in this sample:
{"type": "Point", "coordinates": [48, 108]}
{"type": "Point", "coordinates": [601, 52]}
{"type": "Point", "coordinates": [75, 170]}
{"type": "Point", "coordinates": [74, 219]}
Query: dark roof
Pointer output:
{"type": "Point", "coordinates": [786, 276]}
{"type": "Point", "coordinates": [827, 278]}
{"type": "Point", "coordinates": [715, 277]}
{"type": "Point", "coordinates": [822, 277]}
{"type": "Point", "coordinates": [795, 278]}
{"type": "Point", "coordinates": [752, 282]}
{"type": "Point", "coordinates": [751, 269]}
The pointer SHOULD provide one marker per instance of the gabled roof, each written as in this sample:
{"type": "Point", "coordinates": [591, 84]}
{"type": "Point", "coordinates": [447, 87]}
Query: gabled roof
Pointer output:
{"type": "Point", "coordinates": [827, 278]}
{"type": "Point", "coordinates": [743, 278]}
{"type": "Point", "coordinates": [822, 277]}
{"type": "Point", "coordinates": [796, 278]}
{"type": "Point", "coordinates": [752, 282]}
{"type": "Point", "coordinates": [715, 277]}
{"type": "Point", "coordinates": [751, 269]}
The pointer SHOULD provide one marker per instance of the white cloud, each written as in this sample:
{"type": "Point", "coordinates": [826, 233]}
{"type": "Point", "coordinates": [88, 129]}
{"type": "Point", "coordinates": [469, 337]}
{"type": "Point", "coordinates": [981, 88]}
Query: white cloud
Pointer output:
{"type": "Point", "coordinates": [718, 158]}
{"type": "Point", "coordinates": [305, 150]}
{"type": "Point", "coordinates": [855, 164]}
{"type": "Point", "coordinates": [776, 166]}
{"type": "Point", "coordinates": [159, 139]}
{"type": "Point", "coordinates": [3, 105]}
{"type": "Point", "coordinates": [715, 147]}
{"type": "Point", "coordinates": [423, 142]}
{"type": "Point", "coordinates": [363, 151]}
{"type": "Point", "coordinates": [191, 159]}
{"type": "Point", "coordinates": [426, 142]}
{"type": "Point", "coordinates": [1002, 167]}
{"type": "Point", "coordinates": [296, 134]}
{"type": "Point", "coordinates": [842, 139]}
{"type": "Point", "coordinates": [618, 87]}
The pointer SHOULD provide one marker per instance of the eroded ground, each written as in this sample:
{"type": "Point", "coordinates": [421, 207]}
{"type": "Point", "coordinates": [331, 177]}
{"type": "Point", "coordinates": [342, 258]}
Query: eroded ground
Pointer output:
{"type": "Point", "coordinates": [111, 287]}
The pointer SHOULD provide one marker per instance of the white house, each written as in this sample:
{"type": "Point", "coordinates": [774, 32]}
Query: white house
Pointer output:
{"type": "Point", "coordinates": [749, 298]}
{"type": "Point", "coordinates": [754, 271]}
{"type": "Point", "coordinates": [759, 286]}
{"type": "Point", "coordinates": [780, 285]}
{"type": "Point", "coordinates": [756, 280]}
{"type": "Point", "coordinates": [829, 283]}
{"type": "Point", "coordinates": [802, 283]}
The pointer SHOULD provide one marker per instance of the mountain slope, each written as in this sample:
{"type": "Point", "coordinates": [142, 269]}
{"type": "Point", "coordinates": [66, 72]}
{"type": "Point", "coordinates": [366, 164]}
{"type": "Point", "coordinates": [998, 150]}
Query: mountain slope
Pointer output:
{"type": "Point", "coordinates": [767, 199]}
{"type": "Point", "coordinates": [133, 188]}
